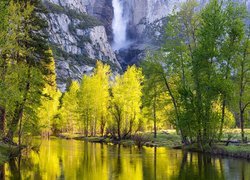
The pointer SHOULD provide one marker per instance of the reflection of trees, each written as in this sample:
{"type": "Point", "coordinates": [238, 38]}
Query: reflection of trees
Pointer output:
{"type": "Point", "coordinates": [2, 172]}
{"type": "Point", "coordinates": [81, 160]}
{"type": "Point", "coordinates": [183, 163]}
{"type": "Point", "coordinates": [235, 169]}
{"type": "Point", "coordinates": [198, 166]}
{"type": "Point", "coordinates": [118, 167]}
{"type": "Point", "coordinates": [14, 168]}
{"type": "Point", "coordinates": [155, 162]}
{"type": "Point", "coordinates": [160, 163]}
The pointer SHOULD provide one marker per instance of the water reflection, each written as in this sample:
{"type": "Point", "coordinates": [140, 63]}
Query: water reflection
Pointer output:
{"type": "Point", "coordinates": [64, 159]}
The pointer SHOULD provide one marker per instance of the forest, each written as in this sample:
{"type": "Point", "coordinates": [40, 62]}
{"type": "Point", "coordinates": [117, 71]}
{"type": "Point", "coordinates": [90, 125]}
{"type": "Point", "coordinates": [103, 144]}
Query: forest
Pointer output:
{"type": "Point", "coordinates": [197, 83]}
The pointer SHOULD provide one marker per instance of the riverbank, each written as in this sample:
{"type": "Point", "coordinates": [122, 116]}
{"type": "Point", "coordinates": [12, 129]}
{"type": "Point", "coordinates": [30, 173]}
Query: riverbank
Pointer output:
{"type": "Point", "coordinates": [219, 149]}
{"type": "Point", "coordinates": [164, 139]}
{"type": "Point", "coordinates": [170, 139]}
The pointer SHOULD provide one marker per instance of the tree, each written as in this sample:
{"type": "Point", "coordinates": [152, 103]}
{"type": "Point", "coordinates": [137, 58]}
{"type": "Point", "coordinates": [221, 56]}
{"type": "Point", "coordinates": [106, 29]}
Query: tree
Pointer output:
{"type": "Point", "coordinates": [204, 64]}
{"type": "Point", "coordinates": [49, 101]}
{"type": "Point", "coordinates": [101, 96]}
{"type": "Point", "coordinates": [199, 57]}
{"type": "Point", "coordinates": [95, 99]}
{"type": "Point", "coordinates": [175, 58]}
{"type": "Point", "coordinates": [3, 63]}
{"type": "Point", "coordinates": [25, 50]}
{"type": "Point", "coordinates": [126, 101]}
{"type": "Point", "coordinates": [242, 81]}
{"type": "Point", "coordinates": [86, 103]}
{"type": "Point", "coordinates": [69, 110]}
{"type": "Point", "coordinates": [234, 34]}
{"type": "Point", "coordinates": [154, 93]}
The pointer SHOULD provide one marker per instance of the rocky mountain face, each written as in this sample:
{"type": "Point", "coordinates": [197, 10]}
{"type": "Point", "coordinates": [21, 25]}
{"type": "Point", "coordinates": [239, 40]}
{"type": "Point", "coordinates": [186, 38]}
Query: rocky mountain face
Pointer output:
{"type": "Point", "coordinates": [81, 32]}
{"type": "Point", "coordinates": [77, 33]}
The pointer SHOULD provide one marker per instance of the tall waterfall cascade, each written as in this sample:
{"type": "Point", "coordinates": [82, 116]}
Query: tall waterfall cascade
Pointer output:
{"type": "Point", "coordinates": [119, 26]}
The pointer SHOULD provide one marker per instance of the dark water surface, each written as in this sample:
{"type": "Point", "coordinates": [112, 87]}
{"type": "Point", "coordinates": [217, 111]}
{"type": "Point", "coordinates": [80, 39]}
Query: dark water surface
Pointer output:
{"type": "Point", "coordinates": [70, 159]}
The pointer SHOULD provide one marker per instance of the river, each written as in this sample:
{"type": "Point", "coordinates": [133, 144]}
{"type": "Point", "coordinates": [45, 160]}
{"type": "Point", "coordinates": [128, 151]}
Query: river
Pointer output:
{"type": "Point", "coordinates": [71, 159]}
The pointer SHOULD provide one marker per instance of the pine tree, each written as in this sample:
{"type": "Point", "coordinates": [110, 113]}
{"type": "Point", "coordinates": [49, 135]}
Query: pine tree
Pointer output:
{"type": "Point", "coordinates": [26, 50]}
{"type": "Point", "coordinates": [49, 101]}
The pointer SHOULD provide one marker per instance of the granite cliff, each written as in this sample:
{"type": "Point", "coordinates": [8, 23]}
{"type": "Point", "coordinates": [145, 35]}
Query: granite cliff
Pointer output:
{"type": "Point", "coordinates": [78, 36]}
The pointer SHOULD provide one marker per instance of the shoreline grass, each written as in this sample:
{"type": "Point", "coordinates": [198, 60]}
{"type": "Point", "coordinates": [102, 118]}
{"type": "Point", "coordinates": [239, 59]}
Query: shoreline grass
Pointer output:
{"type": "Point", "coordinates": [171, 139]}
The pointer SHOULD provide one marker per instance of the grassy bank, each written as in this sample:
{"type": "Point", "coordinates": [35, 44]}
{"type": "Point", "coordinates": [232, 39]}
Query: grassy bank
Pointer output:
{"type": "Point", "coordinates": [230, 145]}
{"type": "Point", "coordinates": [167, 138]}
{"type": "Point", "coordinates": [235, 134]}
{"type": "Point", "coordinates": [170, 139]}
{"type": "Point", "coordinates": [236, 151]}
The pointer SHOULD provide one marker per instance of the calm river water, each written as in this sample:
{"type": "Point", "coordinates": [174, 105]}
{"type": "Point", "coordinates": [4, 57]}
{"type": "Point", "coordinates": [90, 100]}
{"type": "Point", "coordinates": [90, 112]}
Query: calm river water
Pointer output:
{"type": "Point", "coordinates": [70, 159]}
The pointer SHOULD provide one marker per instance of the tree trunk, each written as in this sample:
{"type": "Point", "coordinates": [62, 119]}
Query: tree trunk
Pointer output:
{"type": "Point", "coordinates": [18, 111]}
{"type": "Point", "coordinates": [119, 130]}
{"type": "Point", "coordinates": [242, 126]}
{"type": "Point", "coordinates": [86, 129]}
{"type": "Point", "coordinates": [14, 123]}
{"type": "Point", "coordinates": [20, 133]}
{"type": "Point", "coordinates": [2, 120]}
{"type": "Point", "coordinates": [102, 126]}
{"type": "Point", "coordinates": [222, 117]}
{"type": "Point", "coordinates": [184, 139]}
{"type": "Point", "coordinates": [117, 115]}
{"type": "Point", "coordinates": [130, 128]}
{"type": "Point", "coordinates": [224, 99]}
{"type": "Point", "coordinates": [242, 108]}
{"type": "Point", "coordinates": [94, 129]}
{"type": "Point", "coordinates": [155, 128]}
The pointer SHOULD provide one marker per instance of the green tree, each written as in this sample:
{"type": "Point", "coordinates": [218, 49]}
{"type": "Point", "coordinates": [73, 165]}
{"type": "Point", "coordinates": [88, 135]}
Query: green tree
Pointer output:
{"type": "Point", "coordinates": [199, 57]}
{"type": "Point", "coordinates": [234, 33]}
{"type": "Point", "coordinates": [25, 51]}
{"type": "Point", "coordinates": [243, 82]}
{"type": "Point", "coordinates": [49, 101]}
{"type": "Point", "coordinates": [154, 93]}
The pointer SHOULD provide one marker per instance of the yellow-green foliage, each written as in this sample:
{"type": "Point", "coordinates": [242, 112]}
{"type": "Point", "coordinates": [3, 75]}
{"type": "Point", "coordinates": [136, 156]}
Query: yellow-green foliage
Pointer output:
{"type": "Point", "coordinates": [69, 115]}
{"type": "Point", "coordinates": [126, 100]}
{"type": "Point", "coordinates": [94, 99]}
{"type": "Point", "coordinates": [229, 121]}
{"type": "Point", "coordinates": [101, 94]}
{"type": "Point", "coordinates": [49, 101]}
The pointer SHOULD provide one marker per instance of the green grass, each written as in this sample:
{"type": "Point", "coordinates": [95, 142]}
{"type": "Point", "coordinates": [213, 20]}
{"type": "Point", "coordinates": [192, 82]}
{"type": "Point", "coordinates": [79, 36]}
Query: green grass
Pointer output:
{"type": "Point", "coordinates": [243, 148]}
{"type": "Point", "coordinates": [165, 139]}
{"type": "Point", "coordinates": [169, 139]}
{"type": "Point", "coordinates": [235, 134]}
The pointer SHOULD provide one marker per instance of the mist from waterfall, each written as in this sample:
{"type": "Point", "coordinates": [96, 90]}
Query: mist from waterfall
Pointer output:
{"type": "Point", "coordinates": [119, 26]}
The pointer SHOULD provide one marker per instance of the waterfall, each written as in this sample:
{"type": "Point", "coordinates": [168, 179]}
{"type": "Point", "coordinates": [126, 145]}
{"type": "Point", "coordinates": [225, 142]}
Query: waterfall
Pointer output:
{"type": "Point", "coordinates": [119, 26]}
